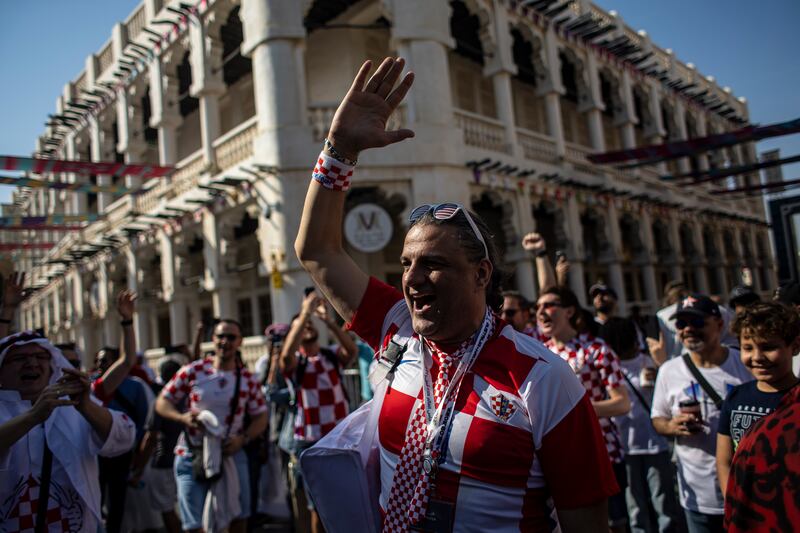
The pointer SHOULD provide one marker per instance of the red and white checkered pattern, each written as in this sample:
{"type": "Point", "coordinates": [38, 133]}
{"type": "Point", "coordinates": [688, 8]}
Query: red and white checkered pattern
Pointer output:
{"type": "Point", "coordinates": [332, 173]}
{"type": "Point", "coordinates": [196, 381]}
{"type": "Point", "coordinates": [499, 475]}
{"type": "Point", "coordinates": [321, 401]}
{"type": "Point", "coordinates": [597, 367]}
{"type": "Point", "coordinates": [22, 517]}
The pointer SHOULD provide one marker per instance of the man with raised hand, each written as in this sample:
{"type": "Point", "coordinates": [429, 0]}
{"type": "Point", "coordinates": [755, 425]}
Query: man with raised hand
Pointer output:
{"type": "Point", "coordinates": [512, 431]}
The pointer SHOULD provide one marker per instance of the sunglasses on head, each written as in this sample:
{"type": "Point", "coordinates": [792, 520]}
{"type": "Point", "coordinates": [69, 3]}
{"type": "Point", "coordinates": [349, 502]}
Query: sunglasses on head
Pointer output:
{"type": "Point", "coordinates": [695, 322]}
{"type": "Point", "coordinates": [227, 336]}
{"type": "Point", "coordinates": [446, 211]}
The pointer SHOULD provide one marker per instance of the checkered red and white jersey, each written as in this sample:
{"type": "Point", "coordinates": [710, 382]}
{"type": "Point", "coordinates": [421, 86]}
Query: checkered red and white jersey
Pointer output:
{"type": "Point", "coordinates": [321, 403]}
{"type": "Point", "coordinates": [524, 437]}
{"type": "Point", "coordinates": [210, 389]}
{"type": "Point", "coordinates": [597, 367]}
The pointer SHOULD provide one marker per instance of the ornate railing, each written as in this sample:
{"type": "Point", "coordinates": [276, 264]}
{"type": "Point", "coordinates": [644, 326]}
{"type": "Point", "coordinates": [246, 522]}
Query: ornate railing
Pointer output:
{"type": "Point", "coordinates": [237, 144]}
{"type": "Point", "coordinates": [105, 57]}
{"type": "Point", "coordinates": [136, 21]}
{"type": "Point", "coordinates": [187, 175]}
{"type": "Point", "coordinates": [482, 132]}
{"type": "Point", "coordinates": [536, 146]}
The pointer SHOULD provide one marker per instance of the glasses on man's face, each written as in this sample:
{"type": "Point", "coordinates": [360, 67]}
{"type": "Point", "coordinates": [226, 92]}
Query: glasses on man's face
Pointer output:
{"type": "Point", "coordinates": [695, 322]}
{"type": "Point", "coordinates": [509, 313]}
{"type": "Point", "coordinates": [547, 305]}
{"type": "Point", "coordinates": [226, 336]}
{"type": "Point", "coordinates": [19, 359]}
{"type": "Point", "coordinates": [446, 211]}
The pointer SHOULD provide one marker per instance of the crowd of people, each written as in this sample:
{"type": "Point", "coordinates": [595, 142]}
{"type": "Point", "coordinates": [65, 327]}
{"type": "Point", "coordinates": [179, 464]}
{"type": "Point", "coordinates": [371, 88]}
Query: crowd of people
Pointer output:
{"type": "Point", "coordinates": [496, 413]}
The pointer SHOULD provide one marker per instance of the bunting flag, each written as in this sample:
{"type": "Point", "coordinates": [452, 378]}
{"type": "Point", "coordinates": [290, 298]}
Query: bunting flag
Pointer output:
{"type": "Point", "coordinates": [49, 219]}
{"type": "Point", "coordinates": [39, 166]}
{"type": "Point", "coordinates": [61, 185]}
{"type": "Point", "coordinates": [41, 227]}
{"type": "Point", "coordinates": [712, 175]}
{"type": "Point", "coordinates": [11, 247]}
{"type": "Point", "coordinates": [660, 152]}
{"type": "Point", "coordinates": [759, 187]}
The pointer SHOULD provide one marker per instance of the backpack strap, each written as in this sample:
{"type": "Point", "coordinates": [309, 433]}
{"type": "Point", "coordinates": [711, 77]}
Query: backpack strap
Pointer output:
{"type": "Point", "coordinates": [635, 390]}
{"type": "Point", "coordinates": [709, 390]}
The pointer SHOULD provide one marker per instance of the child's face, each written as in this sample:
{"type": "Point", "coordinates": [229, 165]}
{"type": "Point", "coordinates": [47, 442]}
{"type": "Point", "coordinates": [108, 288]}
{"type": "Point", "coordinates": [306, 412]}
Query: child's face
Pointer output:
{"type": "Point", "coordinates": [768, 359]}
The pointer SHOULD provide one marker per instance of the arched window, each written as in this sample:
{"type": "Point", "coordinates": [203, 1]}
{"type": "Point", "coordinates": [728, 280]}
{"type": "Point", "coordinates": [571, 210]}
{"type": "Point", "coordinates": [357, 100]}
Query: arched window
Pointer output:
{"type": "Point", "coordinates": [472, 91]}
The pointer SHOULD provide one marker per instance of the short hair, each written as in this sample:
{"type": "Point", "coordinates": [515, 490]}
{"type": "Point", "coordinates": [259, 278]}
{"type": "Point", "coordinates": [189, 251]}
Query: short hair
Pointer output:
{"type": "Point", "coordinates": [474, 250]}
{"type": "Point", "coordinates": [521, 300]}
{"type": "Point", "coordinates": [620, 333]}
{"type": "Point", "coordinates": [766, 320]}
{"type": "Point", "coordinates": [567, 299]}
{"type": "Point", "coordinates": [167, 369]}
{"type": "Point", "coordinates": [231, 321]}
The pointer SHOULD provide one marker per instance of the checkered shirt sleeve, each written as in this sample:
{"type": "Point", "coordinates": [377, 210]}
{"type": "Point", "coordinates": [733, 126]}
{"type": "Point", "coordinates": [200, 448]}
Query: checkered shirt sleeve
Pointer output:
{"type": "Point", "coordinates": [606, 363]}
{"type": "Point", "coordinates": [181, 383]}
{"type": "Point", "coordinates": [256, 402]}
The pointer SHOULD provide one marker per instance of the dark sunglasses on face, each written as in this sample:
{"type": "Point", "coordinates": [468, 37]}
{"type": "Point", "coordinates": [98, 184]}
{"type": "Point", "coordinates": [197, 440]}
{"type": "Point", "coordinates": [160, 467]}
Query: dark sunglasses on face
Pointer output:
{"type": "Point", "coordinates": [510, 313]}
{"type": "Point", "coordinates": [547, 305]}
{"type": "Point", "coordinates": [697, 323]}
{"type": "Point", "coordinates": [227, 336]}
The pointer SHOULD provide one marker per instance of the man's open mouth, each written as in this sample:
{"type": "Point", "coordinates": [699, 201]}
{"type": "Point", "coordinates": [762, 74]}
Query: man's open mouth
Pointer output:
{"type": "Point", "coordinates": [422, 302]}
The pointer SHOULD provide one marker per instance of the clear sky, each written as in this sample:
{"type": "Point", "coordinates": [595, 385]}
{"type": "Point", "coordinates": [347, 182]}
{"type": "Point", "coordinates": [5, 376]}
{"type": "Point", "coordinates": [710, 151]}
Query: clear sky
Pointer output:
{"type": "Point", "coordinates": [748, 45]}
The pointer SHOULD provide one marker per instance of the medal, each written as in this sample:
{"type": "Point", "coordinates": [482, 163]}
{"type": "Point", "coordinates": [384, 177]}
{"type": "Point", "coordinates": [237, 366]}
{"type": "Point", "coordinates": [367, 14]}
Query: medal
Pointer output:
{"type": "Point", "coordinates": [429, 463]}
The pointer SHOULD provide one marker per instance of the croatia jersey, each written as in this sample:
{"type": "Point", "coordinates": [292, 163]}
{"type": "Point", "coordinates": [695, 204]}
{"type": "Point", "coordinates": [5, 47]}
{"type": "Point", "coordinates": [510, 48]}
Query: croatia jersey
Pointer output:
{"type": "Point", "coordinates": [524, 437]}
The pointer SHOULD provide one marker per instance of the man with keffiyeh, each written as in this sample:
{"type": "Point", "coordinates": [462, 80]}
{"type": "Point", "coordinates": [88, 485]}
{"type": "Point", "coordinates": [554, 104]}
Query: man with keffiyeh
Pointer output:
{"type": "Point", "coordinates": [51, 431]}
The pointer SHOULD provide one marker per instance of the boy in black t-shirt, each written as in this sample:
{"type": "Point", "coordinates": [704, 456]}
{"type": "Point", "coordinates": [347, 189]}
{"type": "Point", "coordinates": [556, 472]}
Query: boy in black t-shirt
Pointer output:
{"type": "Point", "coordinates": [769, 336]}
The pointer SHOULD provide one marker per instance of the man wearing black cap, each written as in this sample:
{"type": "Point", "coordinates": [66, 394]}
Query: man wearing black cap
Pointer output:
{"type": "Point", "coordinates": [741, 296]}
{"type": "Point", "coordinates": [688, 392]}
{"type": "Point", "coordinates": [604, 300]}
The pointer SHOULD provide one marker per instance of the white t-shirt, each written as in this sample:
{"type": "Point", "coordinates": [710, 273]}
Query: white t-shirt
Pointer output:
{"type": "Point", "coordinates": [672, 343]}
{"type": "Point", "coordinates": [635, 428]}
{"type": "Point", "coordinates": [697, 468]}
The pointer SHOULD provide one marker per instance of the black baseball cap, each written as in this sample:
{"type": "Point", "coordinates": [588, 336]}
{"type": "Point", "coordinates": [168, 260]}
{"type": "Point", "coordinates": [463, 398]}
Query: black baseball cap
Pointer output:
{"type": "Point", "coordinates": [742, 295]}
{"type": "Point", "coordinates": [697, 305]}
{"type": "Point", "coordinates": [602, 288]}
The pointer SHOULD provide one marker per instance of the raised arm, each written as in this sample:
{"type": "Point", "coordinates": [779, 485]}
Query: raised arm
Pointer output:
{"type": "Point", "coordinates": [119, 370]}
{"type": "Point", "coordinates": [347, 347]}
{"type": "Point", "coordinates": [534, 244]}
{"type": "Point", "coordinates": [288, 360]}
{"type": "Point", "coordinates": [359, 123]}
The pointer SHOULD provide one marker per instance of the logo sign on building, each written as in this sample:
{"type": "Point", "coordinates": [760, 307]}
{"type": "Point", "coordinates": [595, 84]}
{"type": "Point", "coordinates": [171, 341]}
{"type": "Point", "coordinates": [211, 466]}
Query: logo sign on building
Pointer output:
{"type": "Point", "coordinates": [368, 228]}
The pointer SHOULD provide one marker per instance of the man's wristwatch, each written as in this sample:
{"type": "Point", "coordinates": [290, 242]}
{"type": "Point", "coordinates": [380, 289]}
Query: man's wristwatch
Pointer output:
{"type": "Point", "coordinates": [541, 253]}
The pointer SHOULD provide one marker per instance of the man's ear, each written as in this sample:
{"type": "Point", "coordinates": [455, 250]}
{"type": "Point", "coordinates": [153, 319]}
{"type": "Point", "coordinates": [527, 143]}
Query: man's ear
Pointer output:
{"type": "Point", "coordinates": [483, 274]}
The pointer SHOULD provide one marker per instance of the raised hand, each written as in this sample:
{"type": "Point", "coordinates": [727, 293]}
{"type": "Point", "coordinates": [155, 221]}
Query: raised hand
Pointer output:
{"type": "Point", "coordinates": [534, 243]}
{"type": "Point", "coordinates": [76, 385]}
{"type": "Point", "coordinates": [13, 293]}
{"type": "Point", "coordinates": [125, 304]}
{"type": "Point", "coordinates": [50, 398]}
{"type": "Point", "coordinates": [360, 120]}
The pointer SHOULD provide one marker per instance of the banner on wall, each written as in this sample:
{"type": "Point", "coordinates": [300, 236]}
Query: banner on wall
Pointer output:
{"type": "Point", "coordinates": [39, 166]}
{"type": "Point", "coordinates": [49, 219]}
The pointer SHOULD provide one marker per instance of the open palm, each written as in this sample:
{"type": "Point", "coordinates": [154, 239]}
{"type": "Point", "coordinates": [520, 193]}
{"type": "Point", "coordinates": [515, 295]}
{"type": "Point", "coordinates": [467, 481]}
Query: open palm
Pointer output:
{"type": "Point", "coordinates": [360, 120]}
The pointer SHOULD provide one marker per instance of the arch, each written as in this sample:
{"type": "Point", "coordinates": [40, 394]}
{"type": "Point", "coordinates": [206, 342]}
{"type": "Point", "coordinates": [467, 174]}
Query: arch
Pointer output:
{"type": "Point", "coordinates": [550, 223]}
{"type": "Point", "coordinates": [186, 102]}
{"type": "Point", "coordinates": [596, 246]}
{"type": "Point", "coordinates": [612, 108]}
{"type": "Point", "coordinates": [714, 261]}
{"type": "Point", "coordinates": [498, 213]}
{"type": "Point", "coordinates": [470, 28]}
{"type": "Point", "coordinates": [532, 75]}
{"type": "Point", "coordinates": [234, 64]}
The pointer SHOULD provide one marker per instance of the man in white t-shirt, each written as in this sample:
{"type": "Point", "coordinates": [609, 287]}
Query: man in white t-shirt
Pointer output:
{"type": "Point", "coordinates": [683, 409]}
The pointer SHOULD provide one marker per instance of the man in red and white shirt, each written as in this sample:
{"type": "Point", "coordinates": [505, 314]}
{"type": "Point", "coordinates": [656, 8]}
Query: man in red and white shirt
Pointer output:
{"type": "Point", "coordinates": [597, 368]}
{"type": "Point", "coordinates": [518, 432]}
{"type": "Point", "coordinates": [210, 385]}
{"type": "Point", "coordinates": [321, 399]}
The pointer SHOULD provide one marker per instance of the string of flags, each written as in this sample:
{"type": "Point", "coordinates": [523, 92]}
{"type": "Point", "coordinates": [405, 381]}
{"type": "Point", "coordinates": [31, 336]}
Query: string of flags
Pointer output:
{"type": "Point", "coordinates": [48, 219]}
{"type": "Point", "coordinates": [62, 185]}
{"type": "Point", "coordinates": [110, 168]}
{"type": "Point", "coordinates": [625, 54]}
{"type": "Point", "coordinates": [137, 58]}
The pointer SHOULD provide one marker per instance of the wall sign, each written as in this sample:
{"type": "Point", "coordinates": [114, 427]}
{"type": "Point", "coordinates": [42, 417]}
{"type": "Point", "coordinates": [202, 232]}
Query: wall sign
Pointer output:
{"type": "Point", "coordinates": [368, 228]}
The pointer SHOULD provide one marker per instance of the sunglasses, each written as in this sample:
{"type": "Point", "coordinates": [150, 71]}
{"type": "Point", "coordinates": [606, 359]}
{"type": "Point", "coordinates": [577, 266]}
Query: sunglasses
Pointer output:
{"type": "Point", "coordinates": [227, 336]}
{"type": "Point", "coordinates": [510, 313]}
{"type": "Point", "coordinates": [696, 323]}
{"type": "Point", "coordinates": [548, 305]}
{"type": "Point", "coordinates": [446, 211]}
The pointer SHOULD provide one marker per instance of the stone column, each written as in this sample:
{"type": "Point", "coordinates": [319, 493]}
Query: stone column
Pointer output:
{"type": "Point", "coordinates": [700, 266]}
{"type": "Point", "coordinates": [219, 255]}
{"type": "Point", "coordinates": [720, 269]}
{"type": "Point", "coordinates": [136, 282]}
{"type": "Point", "coordinates": [552, 90]}
{"type": "Point", "coordinates": [173, 292]}
{"type": "Point", "coordinates": [594, 106]}
{"type": "Point", "coordinates": [656, 133]}
{"type": "Point", "coordinates": [682, 133]}
{"type": "Point", "coordinates": [676, 270]}
{"type": "Point", "coordinates": [205, 56]}
{"type": "Point", "coordinates": [501, 68]}
{"type": "Point", "coordinates": [575, 253]}
{"type": "Point", "coordinates": [617, 279]}
{"type": "Point", "coordinates": [628, 118]}
{"type": "Point", "coordinates": [131, 139]}
{"type": "Point", "coordinates": [99, 150]}
{"type": "Point", "coordinates": [702, 131]}
{"type": "Point", "coordinates": [80, 203]}
{"type": "Point", "coordinates": [648, 270]}
{"type": "Point", "coordinates": [164, 103]}
{"type": "Point", "coordinates": [107, 305]}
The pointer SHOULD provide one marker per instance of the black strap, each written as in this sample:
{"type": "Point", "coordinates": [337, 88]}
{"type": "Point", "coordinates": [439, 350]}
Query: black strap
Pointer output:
{"type": "Point", "coordinates": [636, 391]}
{"type": "Point", "coordinates": [44, 488]}
{"type": "Point", "coordinates": [709, 390]}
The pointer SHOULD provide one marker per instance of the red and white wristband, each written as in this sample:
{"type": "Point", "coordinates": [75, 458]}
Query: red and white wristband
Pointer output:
{"type": "Point", "coordinates": [332, 173]}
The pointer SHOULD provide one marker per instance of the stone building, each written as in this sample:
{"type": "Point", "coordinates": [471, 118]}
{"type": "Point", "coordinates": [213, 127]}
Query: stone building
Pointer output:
{"type": "Point", "coordinates": [509, 99]}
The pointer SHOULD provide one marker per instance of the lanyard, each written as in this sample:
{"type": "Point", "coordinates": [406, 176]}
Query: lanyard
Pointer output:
{"type": "Point", "coordinates": [436, 438]}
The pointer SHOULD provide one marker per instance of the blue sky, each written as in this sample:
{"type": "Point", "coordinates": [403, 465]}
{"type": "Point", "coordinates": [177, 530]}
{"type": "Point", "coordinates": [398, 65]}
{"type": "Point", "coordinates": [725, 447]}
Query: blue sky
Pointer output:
{"type": "Point", "coordinates": [750, 46]}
